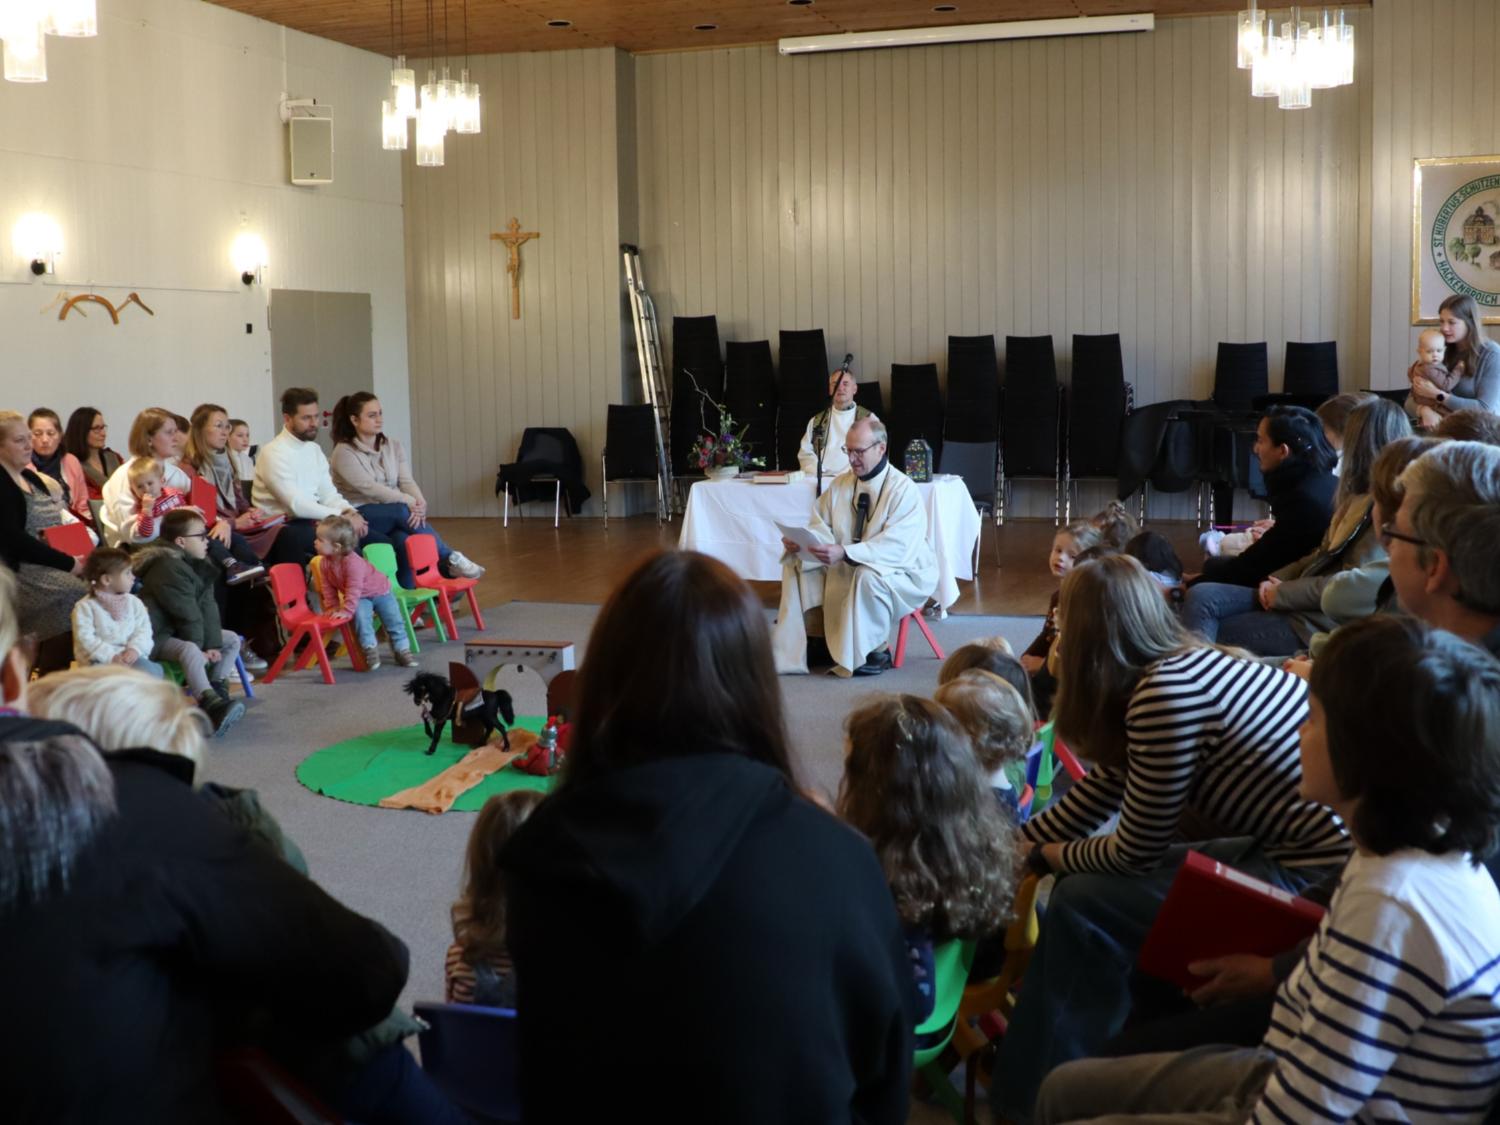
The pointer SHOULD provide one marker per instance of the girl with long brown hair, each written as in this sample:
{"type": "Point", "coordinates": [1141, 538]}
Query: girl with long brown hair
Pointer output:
{"type": "Point", "coordinates": [1172, 725]}
{"type": "Point", "coordinates": [678, 868]}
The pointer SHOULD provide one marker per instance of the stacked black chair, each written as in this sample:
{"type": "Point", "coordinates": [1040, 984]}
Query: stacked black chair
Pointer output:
{"type": "Point", "coordinates": [916, 410]}
{"type": "Point", "coordinates": [696, 359]}
{"type": "Point", "coordinates": [870, 397]}
{"type": "Point", "coordinates": [750, 394]}
{"type": "Point", "coordinates": [1030, 418]}
{"type": "Point", "coordinates": [629, 455]}
{"type": "Point", "coordinates": [1098, 400]}
{"type": "Point", "coordinates": [1224, 427]}
{"type": "Point", "coordinates": [973, 409]}
{"type": "Point", "coordinates": [801, 389]}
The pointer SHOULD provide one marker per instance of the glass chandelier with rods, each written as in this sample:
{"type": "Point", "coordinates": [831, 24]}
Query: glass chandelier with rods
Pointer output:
{"type": "Point", "coordinates": [441, 105]}
{"type": "Point", "coordinates": [25, 25]}
{"type": "Point", "coordinates": [1291, 58]}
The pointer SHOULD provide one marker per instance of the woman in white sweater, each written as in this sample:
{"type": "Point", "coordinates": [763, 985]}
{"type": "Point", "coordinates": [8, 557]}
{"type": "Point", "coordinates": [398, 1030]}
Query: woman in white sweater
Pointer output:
{"type": "Point", "coordinates": [111, 625]}
{"type": "Point", "coordinates": [372, 471]}
{"type": "Point", "coordinates": [154, 434]}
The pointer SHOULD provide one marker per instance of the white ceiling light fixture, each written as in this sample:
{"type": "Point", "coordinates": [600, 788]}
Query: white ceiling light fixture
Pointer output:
{"type": "Point", "coordinates": [25, 24]}
{"type": "Point", "coordinates": [1302, 57]}
{"type": "Point", "coordinates": [966, 33]}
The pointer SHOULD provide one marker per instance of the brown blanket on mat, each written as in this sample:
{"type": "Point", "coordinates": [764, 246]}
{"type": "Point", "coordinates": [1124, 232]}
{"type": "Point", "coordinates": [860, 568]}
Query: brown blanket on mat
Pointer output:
{"type": "Point", "coordinates": [438, 794]}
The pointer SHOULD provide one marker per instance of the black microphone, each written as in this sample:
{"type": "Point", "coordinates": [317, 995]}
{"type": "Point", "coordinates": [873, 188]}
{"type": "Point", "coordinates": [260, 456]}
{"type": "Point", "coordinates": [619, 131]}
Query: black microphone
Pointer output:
{"type": "Point", "coordinates": [861, 513]}
{"type": "Point", "coordinates": [848, 359]}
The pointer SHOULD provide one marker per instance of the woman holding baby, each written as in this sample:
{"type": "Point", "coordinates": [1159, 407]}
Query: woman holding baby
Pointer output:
{"type": "Point", "coordinates": [1464, 374]}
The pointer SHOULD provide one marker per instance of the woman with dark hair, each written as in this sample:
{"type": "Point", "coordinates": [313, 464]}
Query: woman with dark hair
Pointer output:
{"type": "Point", "coordinates": [1297, 463]}
{"type": "Point", "coordinates": [1281, 616]}
{"type": "Point", "coordinates": [1470, 354]}
{"type": "Point", "coordinates": [1174, 726]}
{"type": "Point", "coordinates": [50, 456]}
{"type": "Point", "coordinates": [372, 471]}
{"type": "Point", "coordinates": [733, 919]}
{"type": "Point", "coordinates": [85, 439]}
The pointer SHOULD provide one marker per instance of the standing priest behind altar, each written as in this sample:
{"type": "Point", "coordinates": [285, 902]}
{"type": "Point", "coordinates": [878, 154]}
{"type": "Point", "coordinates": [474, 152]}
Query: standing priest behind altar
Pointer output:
{"type": "Point", "coordinates": [829, 429]}
{"type": "Point", "coordinates": [871, 566]}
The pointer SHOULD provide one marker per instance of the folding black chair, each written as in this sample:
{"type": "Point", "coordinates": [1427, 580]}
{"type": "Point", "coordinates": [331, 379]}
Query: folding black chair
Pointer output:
{"type": "Point", "coordinates": [801, 389]}
{"type": "Point", "coordinates": [1098, 400]}
{"type": "Point", "coordinates": [697, 365]}
{"type": "Point", "coordinates": [750, 394]}
{"type": "Point", "coordinates": [916, 409]}
{"type": "Point", "coordinates": [973, 408]}
{"type": "Point", "coordinates": [548, 456]}
{"type": "Point", "coordinates": [1030, 418]}
{"type": "Point", "coordinates": [1310, 376]}
{"type": "Point", "coordinates": [868, 395]}
{"type": "Point", "coordinates": [974, 461]}
{"type": "Point", "coordinates": [629, 455]}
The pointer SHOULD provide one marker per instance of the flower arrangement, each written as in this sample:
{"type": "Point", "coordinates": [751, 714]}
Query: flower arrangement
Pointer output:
{"type": "Point", "coordinates": [725, 449]}
{"type": "Point", "coordinates": [721, 446]}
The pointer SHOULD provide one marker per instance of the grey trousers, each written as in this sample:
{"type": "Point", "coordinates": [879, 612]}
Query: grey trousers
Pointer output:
{"type": "Point", "coordinates": [194, 664]}
{"type": "Point", "coordinates": [1203, 1086]}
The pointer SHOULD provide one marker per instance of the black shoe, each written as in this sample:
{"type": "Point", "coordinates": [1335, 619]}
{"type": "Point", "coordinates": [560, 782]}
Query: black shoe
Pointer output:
{"type": "Point", "coordinates": [876, 663]}
{"type": "Point", "coordinates": [221, 688]}
{"type": "Point", "coordinates": [237, 572]}
{"type": "Point", "coordinates": [817, 652]}
{"type": "Point", "coordinates": [223, 713]}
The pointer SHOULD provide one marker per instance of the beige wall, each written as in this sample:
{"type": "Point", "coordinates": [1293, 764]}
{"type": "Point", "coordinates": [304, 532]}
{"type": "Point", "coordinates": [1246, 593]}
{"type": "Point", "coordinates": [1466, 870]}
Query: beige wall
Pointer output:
{"type": "Point", "coordinates": [1124, 183]}
{"type": "Point", "coordinates": [1436, 94]}
{"type": "Point", "coordinates": [548, 155]}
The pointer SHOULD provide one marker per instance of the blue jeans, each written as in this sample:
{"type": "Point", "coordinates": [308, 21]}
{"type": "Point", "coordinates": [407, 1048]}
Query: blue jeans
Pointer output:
{"type": "Point", "coordinates": [1076, 994]}
{"type": "Point", "coordinates": [390, 616]}
{"type": "Point", "coordinates": [1231, 615]}
{"type": "Point", "coordinates": [150, 667]}
{"type": "Point", "coordinates": [391, 1089]}
{"type": "Point", "coordinates": [389, 522]}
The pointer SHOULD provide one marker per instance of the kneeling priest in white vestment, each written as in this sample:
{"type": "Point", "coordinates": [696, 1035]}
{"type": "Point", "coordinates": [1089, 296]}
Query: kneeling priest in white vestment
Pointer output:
{"type": "Point", "coordinates": [871, 563]}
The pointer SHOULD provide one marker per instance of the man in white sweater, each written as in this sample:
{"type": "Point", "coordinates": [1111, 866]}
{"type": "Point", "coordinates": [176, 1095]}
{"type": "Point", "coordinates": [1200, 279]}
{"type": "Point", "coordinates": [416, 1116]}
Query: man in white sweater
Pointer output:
{"type": "Point", "coordinates": [292, 480]}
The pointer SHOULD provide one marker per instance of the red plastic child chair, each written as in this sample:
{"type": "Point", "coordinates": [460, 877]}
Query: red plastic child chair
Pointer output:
{"type": "Point", "coordinates": [69, 538]}
{"type": "Point", "coordinates": [289, 592]}
{"type": "Point", "coordinates": [906, 621]}
{"type": "Point", "coordinates": [421, 553]}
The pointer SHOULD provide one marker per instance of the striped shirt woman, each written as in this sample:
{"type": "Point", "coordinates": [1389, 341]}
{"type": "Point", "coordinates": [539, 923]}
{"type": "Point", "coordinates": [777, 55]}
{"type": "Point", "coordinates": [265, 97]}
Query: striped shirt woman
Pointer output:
{"type": "Point", "coordinates": [1207, 732]}
{"type": "Point", "coordinates": [1392, 1014]}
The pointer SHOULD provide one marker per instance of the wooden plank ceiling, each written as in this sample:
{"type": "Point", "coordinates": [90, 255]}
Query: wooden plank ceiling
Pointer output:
{"type": "Point", "coordinates": [662, 25]}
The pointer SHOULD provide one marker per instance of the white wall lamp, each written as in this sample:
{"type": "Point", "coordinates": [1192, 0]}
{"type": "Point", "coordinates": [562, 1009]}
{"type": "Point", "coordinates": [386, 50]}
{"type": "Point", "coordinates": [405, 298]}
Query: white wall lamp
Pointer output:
{"type": "Point", "coordinates": [966, 33]}
{"type": "Point", "coordinates": [249, 257]}
{"type": "Point", "coordinates": [37, 239]}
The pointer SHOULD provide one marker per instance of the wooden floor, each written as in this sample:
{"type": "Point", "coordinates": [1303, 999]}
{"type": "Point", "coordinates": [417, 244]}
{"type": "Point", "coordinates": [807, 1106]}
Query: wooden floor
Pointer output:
{"type": "Point", "coordinates": [581, 562]}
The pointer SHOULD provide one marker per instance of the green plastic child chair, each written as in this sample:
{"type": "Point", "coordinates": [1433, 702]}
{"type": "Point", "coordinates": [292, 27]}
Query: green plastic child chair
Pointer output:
{"type": "Point", "coordinates": [951, 961]}
{"type": "Point", "coordinates": [382, 556]}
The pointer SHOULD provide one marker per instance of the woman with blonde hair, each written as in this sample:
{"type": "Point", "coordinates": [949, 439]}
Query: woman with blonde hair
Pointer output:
{"type": "Point", "coordinates": [153, 436]}
{"type": "Point", "coordinates": [1172, 725]}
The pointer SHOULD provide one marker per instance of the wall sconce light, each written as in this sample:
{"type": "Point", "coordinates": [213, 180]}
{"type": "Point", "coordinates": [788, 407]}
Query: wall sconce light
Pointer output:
{"type": "Point", "coordinates": [37, 239]}
{"type": "Point", "coordinates": [249, 257]}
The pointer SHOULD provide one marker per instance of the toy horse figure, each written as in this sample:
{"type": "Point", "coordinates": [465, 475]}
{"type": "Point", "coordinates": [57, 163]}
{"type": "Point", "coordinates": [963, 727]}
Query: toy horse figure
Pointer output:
{"type": "Point", "coordinates": [475, 713]}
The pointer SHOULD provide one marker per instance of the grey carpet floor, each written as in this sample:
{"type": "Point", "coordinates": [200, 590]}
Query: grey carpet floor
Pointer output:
{"type": "Point", "coordinates": [403, 867]}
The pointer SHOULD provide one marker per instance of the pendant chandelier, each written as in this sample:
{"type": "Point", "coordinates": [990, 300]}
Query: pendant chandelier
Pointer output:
{"type": "Point", "coordinates": [1290, 59]}
{"type": "Point", "coordinates": [25, 25]}
{"type": "Point", "coordinates": [442, 105]}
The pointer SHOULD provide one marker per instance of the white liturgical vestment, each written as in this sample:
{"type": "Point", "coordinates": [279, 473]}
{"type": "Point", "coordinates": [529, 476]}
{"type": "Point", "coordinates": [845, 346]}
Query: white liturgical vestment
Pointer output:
{"type": "Point", "coordinates": [889, 573]}
{"type": "Point", "coordinates": [835, 460]}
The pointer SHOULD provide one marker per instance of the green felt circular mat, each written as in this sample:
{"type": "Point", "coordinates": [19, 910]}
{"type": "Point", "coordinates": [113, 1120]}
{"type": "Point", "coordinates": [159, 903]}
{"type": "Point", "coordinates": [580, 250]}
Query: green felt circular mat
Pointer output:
{"type": "Point", "coordinates": [373, 766]}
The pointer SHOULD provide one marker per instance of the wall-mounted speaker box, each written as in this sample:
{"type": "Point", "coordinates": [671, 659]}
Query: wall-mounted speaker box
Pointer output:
{"type": "Point", "coordinates": [310, 150]}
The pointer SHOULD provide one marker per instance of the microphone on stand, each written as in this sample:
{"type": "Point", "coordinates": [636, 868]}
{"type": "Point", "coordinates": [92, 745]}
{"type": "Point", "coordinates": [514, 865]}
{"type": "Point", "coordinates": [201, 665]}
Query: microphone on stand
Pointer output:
{"type": "Point", "coordinates": [861, 514]}
{"type": "Point", "coordinates": [821, 432]}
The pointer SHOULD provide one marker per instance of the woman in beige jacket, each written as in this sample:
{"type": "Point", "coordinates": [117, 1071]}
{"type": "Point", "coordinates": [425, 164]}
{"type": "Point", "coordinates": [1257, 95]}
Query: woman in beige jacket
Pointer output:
{"type": "Point", "coordinates": [372, 471]}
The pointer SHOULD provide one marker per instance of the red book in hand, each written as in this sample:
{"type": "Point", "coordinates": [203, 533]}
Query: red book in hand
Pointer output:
{"type": "Point", "coordinates": [1212, 910]}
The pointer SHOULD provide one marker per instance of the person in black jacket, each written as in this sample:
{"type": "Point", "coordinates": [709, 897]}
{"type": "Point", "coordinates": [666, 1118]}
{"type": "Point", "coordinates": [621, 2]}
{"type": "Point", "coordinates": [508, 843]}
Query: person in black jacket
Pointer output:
{"type": "Point", "coordinates": [161, 933]}
{"type": "Point", "coordinates": [739, 932]}
{"type": "Point", "coordinates": [1297, 462]}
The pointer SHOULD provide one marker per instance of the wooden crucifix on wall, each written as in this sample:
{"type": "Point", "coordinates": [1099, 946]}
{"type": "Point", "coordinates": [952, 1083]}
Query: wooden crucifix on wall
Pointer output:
{"type": "Point", "coordinates": [513, 236]}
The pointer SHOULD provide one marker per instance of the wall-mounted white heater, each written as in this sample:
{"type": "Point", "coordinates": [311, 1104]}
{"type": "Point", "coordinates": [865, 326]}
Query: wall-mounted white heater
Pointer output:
{"type": "Point", "coordinates": [966, 33]}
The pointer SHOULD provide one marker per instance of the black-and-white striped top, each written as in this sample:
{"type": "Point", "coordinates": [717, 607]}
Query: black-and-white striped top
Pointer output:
{"type": "Point", "coordinates": [1207, 731]}
{"type": "Point", "coordinates": [1392, 1014]}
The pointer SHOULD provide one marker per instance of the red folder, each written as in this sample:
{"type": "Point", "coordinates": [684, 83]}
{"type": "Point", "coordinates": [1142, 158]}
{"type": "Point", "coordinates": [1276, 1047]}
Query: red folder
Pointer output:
{"type": "Point", "coordinates": [1212, 910]}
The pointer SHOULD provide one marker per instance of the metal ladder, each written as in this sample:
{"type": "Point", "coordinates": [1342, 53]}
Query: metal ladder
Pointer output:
{"type": "Point", "coordinates": [653, 377]}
